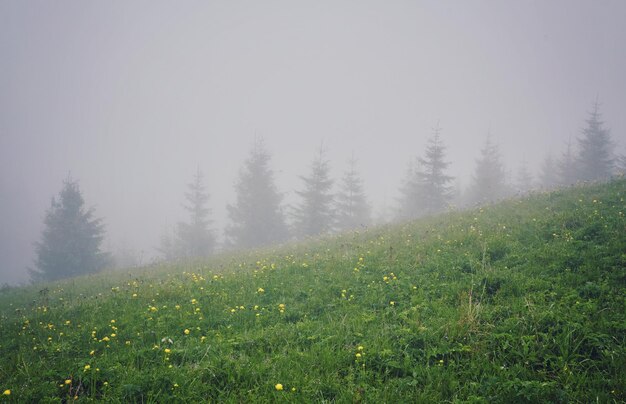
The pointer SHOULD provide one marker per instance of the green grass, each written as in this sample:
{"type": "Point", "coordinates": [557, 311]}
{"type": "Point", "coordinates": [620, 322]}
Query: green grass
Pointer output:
{"type": "Point", "coordinates": [524, 301]}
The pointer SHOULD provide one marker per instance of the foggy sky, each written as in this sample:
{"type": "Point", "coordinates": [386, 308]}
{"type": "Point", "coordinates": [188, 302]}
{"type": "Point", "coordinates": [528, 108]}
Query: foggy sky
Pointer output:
{"type": "Point", "coordinates": [130, 97]}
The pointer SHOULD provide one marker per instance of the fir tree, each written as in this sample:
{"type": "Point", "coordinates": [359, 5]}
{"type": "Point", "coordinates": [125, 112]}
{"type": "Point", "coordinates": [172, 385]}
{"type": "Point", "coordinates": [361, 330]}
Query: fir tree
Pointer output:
{"type": "Point", "coordinates": [566, 167]}
{"type": "Point", "coordinates": [257, 216]}
{"type": "Point", "coordinates": [434, 192]}
{"type": "Point", "coordinates": [524, 180]}
{"type": "Point", "coordinates": [620, 165]}
{"type": "Point", "coordinates": [489, 181]}
{"type": "Point", "coordinates": [549, 177]}
{"type": "Point", "coordinates": [71, 239]}
{"type": "Point", "coordinates": [595, 161]}
{"type": "Point", "coordinates": [353, 209]}
{"type": "Point", "coordinates": [409, 193]}
{"type": "Point", "coordinates": [195, 239]}
{"type": "Point", "coordinates": [314, 215]}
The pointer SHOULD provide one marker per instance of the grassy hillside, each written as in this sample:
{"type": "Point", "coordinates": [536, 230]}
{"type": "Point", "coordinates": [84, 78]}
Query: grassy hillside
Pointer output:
{"type": "Point", "coordinates": [521, 301]}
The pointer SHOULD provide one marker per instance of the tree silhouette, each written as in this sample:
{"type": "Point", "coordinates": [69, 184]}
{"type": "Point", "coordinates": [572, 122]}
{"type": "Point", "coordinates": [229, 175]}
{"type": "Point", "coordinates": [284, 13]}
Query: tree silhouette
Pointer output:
{"type": "Point", "coordinates": [257, 217]}
{"type": "Point", "coordinates": [353, 209]}
{"type": "Point", "coordinates": [71, 239]}
{"type": "Point", "coordinates": [314, 215]}
{"type": "Point", "coordinates": [195, 238]}
{"type": "Point", "coordinates": [434, 192]}
{"type": "Point", "coordinates": [489, 182]}
{"type": "Point", "coordinates": [595, 161]}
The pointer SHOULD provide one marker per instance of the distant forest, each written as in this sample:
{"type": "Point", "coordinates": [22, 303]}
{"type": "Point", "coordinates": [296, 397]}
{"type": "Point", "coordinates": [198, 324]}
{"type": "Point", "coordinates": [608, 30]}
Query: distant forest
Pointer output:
{"type": "Point", "coordinates": [71, 241]}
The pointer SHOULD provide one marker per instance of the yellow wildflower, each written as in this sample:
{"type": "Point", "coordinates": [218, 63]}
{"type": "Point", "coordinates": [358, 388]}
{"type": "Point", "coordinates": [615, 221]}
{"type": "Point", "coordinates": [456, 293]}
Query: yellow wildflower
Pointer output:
{"type": "Point", "coordinates": [279, 387]}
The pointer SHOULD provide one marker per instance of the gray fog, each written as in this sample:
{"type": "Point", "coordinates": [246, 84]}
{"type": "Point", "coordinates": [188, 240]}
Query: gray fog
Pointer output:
{"type": "Point", "coordinates": [131, 97]}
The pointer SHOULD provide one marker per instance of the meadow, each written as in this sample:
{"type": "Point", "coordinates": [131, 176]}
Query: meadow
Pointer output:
{"type": "Point", "coordinates": [521, 301]}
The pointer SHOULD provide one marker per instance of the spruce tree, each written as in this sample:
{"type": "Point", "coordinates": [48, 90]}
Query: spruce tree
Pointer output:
{"type": "Point", "coordinates": [71, 240]}
{"type": "Point", "coordinates": [257, 217]}
{"type": "Point", "coordinates": [489, 180]}
{"type": "Point", "coordinates": [434, 192]}
{"type": "Point", "coordinates": [353, 209]}
{"type": "Point", "coordinates": [595, 161]}
{"type": "Point", "coordinates": [408, 208]}
{"type": "Point", "coordinates": [549, 177]}
{"type": "Point", "coordinates": [314, 215]}
{"type": "Point", "coordinates": [566, 167]}
{"type": "Point", "coordinates": [524, 180]}
{"type": "Point", "coordinates": [195, 238]}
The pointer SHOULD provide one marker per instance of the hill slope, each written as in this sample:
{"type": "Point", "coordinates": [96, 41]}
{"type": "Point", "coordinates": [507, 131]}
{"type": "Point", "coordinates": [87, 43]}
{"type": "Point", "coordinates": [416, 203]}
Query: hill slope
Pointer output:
{"type": "Point", "coordinates": [522, 301]}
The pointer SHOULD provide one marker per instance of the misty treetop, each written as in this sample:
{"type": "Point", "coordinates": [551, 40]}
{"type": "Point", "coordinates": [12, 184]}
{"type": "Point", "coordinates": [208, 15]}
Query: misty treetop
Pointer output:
{"type": "Point", "coordinates": [257, 217]}
{"type": "Point", "coordinates": [71, 240]}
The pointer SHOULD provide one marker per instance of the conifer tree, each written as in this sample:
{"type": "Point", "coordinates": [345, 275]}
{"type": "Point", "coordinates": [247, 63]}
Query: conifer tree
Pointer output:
{"type": "Point", "coordinates": [257, 217]}
{"type": "Point", "coordinates": [549, 177]}
{"type": "Point", "coordinates": [524, 180]}
{"type": "Point", "coordinates": [195, 238]}
{"type": "Point", "coordinates": [566, 167]}
{"type": "Point", "coordinates": [71, 240]}
{"type": "Point", "coordinates": [595, 161]}
{"type": "Point", "coordinates": [489, 181]}
{"type": "Point", "coordinates": [620, 165]}
{"type": "Point", "coordinates": [409, 193]}
{"type": "Point", "coordinates": [353, 209]}
{"type": "Point", "coordinates": [434, 192]}
{"type": "Point", "coordinates": [314, 215]}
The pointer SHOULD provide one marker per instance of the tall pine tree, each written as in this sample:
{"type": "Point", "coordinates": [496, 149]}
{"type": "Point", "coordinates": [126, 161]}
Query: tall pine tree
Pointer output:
{"type": "Point", "coordinates": [257, 217]}
{"type": "Point", "coordinates": [353, 210]}
{"type": "Point", "coordinates": [195, 238]}
{"type": "Point", "coordinates": [314, 215]}
{"type": "Point", "coordinates": [71, 240]}
{"type": "Point", "coordinates": [434, 189]}
{"type": "Point", "coordinates": [489, 181]}
{"type": "Point", "coordinates": [549, 177]}
{"type": "Point", "coordinates": [409, 193]}
{"type": "Point", "coordinates": [595, 161]}
{"type": "Point", "coordinates": [524, 179]}
{"type": "Point", "coordinates": [566, 167]}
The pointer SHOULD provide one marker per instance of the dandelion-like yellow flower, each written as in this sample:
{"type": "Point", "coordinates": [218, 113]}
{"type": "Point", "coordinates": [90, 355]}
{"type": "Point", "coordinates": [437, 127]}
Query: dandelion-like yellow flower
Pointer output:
{"type": "Point", "coordinates": [7, 392]}
{"type": "Point", "coordinates": [186, 331]}
{"type": "Point", "coordinates": [260, 290]}
{"type": "Point", "coordinates": [167, 350]}
{"type": "Point", "coordinates": [279, 387]}
{"type": "Point", "coordinates": [68, 381]}
{"type": "Point", "coordinates": [87, 367]}
{"type": "Point", "coordinates": [92, 353]}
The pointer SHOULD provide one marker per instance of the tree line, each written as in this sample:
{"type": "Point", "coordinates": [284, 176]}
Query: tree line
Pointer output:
{"type": "Point", "coordinates": [70, 243]}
